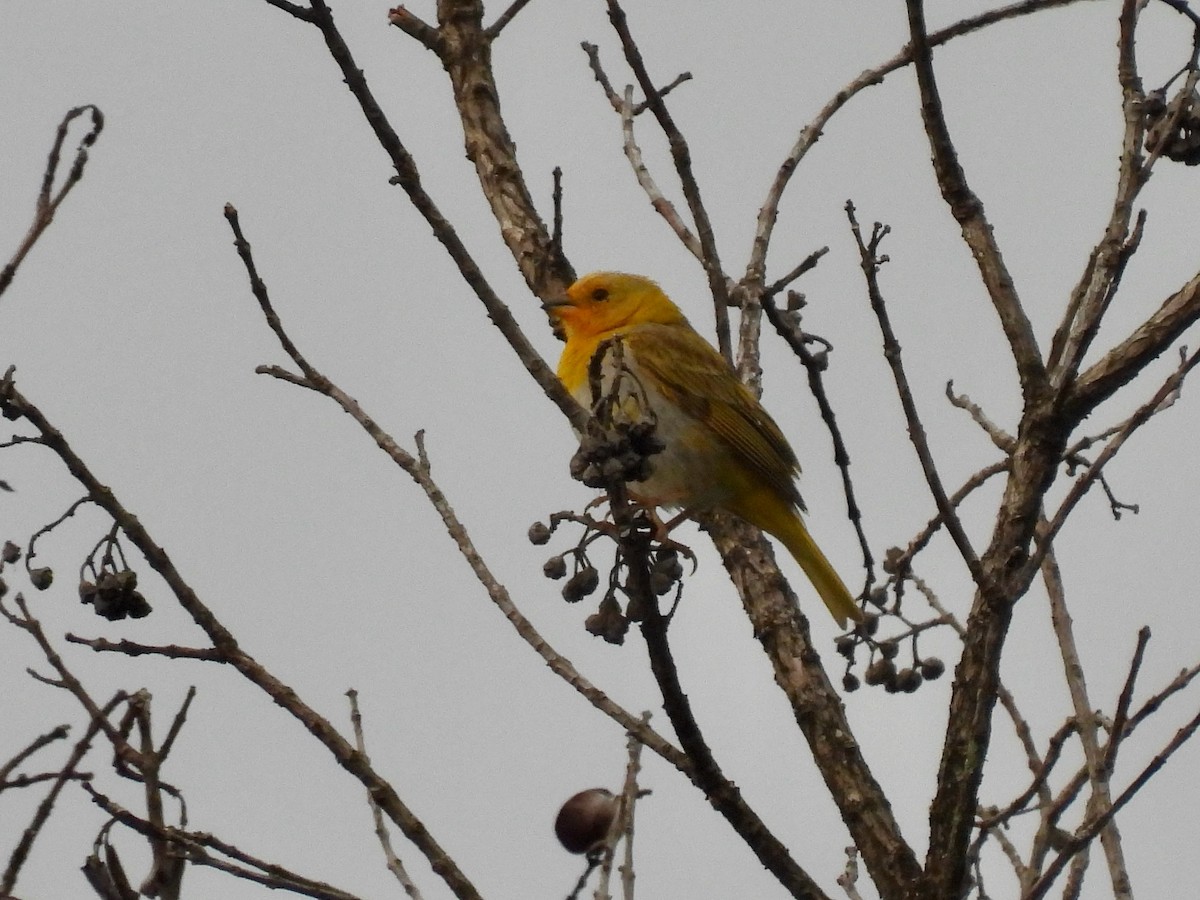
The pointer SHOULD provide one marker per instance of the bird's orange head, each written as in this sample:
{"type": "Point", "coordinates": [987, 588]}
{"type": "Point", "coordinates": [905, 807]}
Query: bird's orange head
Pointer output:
{"type": "Point", "coordinates": [605, 302]}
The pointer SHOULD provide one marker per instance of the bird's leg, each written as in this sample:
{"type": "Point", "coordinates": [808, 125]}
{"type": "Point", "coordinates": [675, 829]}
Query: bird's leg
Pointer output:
{"type": "Point", "coordinates": [660, 530]}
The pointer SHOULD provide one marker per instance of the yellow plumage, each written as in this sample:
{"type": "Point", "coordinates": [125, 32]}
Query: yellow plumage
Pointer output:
{"type": "Point", "coordinates": [723, 451]}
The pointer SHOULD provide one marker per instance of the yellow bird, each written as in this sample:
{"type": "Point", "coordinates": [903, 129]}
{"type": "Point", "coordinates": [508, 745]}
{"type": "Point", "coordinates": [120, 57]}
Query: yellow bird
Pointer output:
{"type": "Point", "coordinates": [723, 451]}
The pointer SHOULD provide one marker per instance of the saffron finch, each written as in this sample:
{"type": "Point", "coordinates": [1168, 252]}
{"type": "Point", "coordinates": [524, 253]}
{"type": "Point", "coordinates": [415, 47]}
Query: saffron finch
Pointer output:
{"type": "Point", "coordinates": [722, 450]}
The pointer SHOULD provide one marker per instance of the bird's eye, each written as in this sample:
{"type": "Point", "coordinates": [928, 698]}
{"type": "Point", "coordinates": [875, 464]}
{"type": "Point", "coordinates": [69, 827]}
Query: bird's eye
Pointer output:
{"type": "Point", "coordinates": [600, 294]}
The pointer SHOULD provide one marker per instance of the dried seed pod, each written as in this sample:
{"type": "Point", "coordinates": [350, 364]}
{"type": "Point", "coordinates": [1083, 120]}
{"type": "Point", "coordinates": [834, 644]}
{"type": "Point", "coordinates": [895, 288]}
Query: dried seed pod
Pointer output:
{"type": "Point", "coordinates": [869, 625]}
{"type": "Point", "coordinates": [889, 649]}
{"type": "Point", "coordinates": [555, 567]}
{"type": "Point", "coordinates": [584, 820]}
{"type": "Point", "coordinates": [539, 533]}
{"type": "Point", "coordinates": [608, 621]}
{"type": "Point", "coordinates": [582, 583]}
{"type": "Point", "coordinates": [932, 668]}
{"type": "Point", "coordinates": [667, 562]}
{"type": "Point", "coordinates": [11, 552]}
{"type": "Point", "coordinates": [850, 682]}
{"type": "Point", "coordinates": [137, 607]}
{"type": "Point", "coordinates": [908, 680]}
{"type": "Point", "coordinates": [891, 560]}
{"type": "Point", "coordinates": [882, 671]}
{"type": "Point", "coordinates": [660, 582]}
{"type": "Point", "coordinates": [41, 578]}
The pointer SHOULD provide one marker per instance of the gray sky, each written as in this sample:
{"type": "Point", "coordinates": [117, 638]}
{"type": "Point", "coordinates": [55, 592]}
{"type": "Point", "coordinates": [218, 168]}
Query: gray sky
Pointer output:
{"type": "Point", "coordinates": [132, 325]}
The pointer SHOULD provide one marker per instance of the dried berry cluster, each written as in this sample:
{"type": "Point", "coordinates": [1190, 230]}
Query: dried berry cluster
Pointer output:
{"type": "Point", "coordinates": [882, 669]}
{"type": "Point", "coordinates": [114, 595]}
{"type": "Point", "coordinates": [1174, 128]}
{"type": "Point", "coordinates": [611, 620]}
{"type": "Point", "coordinates": [616, 454]}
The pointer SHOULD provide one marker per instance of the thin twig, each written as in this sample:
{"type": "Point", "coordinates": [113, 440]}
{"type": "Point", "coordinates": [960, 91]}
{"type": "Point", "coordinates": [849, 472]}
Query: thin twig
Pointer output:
{"type": "Point", "coordinates": [394, 864]}
{"type": "Point", "coordinates": [968, 211]}
{"type": "Point", "coordinates": [625, 107]}
{"type": "Point", "coordinates": [21, 852]}
{"type": "Point", "coordinates": [900, 562]}
{"type": "Point", "coordinates": [1098, 772]}
{"type": "Point", "coordinates": [1140, 417]}
{"type": "Point", "coordinates": [544, 282]}
{"type": "Point", "coordinates": [1084, 836]}
{"type": "Point", "coordinates": [870, 260]}
{"type": "Point", "coordinates": [1121, 717]}
{"type": "Point", "coordinates": [55, 734]}
{"type": "Point", "coordinates": [661, 204]}
{"type": "Point", "coordinates": [223, 640]}
{"type": "Point", "coordinates": [682, 158]}
{"type": "Point", "coordinates": [419, 472]}
{"type": "Point", "coordinates": [493, 30]}
{"type": "Point", "coordinates": [195, 846]}
{"type": "Point", "coordinates": [48, 201]}
{"type": "Point", "coordinates": [630, 794]}
{"type": "Point", "coordinates": [132, 648]}
{"type": "Point", "coordinates": [814, 369]}
{"type": "Point", "coordinates": [811, 133]}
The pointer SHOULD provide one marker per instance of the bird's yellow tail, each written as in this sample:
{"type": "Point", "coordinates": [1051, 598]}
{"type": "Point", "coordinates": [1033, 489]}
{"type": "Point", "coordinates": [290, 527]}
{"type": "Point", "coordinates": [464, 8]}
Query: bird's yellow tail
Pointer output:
{"type": "Point", "coordinates": [819, 571]}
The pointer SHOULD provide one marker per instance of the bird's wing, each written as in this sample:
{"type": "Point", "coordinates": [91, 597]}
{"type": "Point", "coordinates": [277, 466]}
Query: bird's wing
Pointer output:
{"type": "Point", "coordinates": [689, 373]}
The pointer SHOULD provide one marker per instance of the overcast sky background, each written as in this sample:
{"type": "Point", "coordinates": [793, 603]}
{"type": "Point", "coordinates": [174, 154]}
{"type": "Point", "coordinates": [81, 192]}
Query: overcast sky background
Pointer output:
{"type": "Point", "coordinates": [133, 327]}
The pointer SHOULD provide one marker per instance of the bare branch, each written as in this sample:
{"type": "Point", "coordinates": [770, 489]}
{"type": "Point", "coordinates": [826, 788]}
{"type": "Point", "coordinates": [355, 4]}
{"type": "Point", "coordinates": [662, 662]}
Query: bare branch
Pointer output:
{"type": "Point", "coordinates": [68, 771]}
{"type": "Point", "coordinates": [1084, 836]}
{"type": "Point", "coordinates": [48, 200]}
{"type": "Point", "coordinates": [661, 204]}
{"type": "Point", "coordinates": [1147, 342]}
{"type": "Point", "coordinates": [625, 107]}
{"type": "Point", "coordinates": [721, 793]}
{"type": "Point", "coordinates": [55, 734]}
{"type": "Point", "coordinates": [683, 168]}
{"type": "Point", "coordinates": [395, 866]}
{"type": "Point", "coordinates": [630, 794]}
{"type": "Point", "coordinates": [304, 14]}
{"type": "Point", "coordinates": [1161, 399]}
{"type": "Point", "coordinates": [530, 239]}
{"type": "Point", "coordinates": [224, 641]}
{"type": "Point", "coordinates": [784, 634]}
{"type": "Point", "coordinates": [1099, 771]}
{"type": "Point", "coordinates": [132, 648]}
{"type": "Point", "coordinates": [1121, 717]}
{"type": "Point", "coordinates": [968, 211]}
{"type": "Point", "coordinates": [465, 51]}
{"type": "Point", "coordinates": [415, 27]}
{"type": "Point", "coordinates": [808, 263]}
{"type": "Point", "coordinates": [814, 368]}
{"type": "Point", "coordinates": [493, 30]}
{"type": "Point", "coordinates": [418, 469]}
{"type": "Point", "coordinates": [871, 261]}
{"type": "Point", "coordinates": [195, 847]}
{"type": "Point", "coordinates": [811, 133]}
